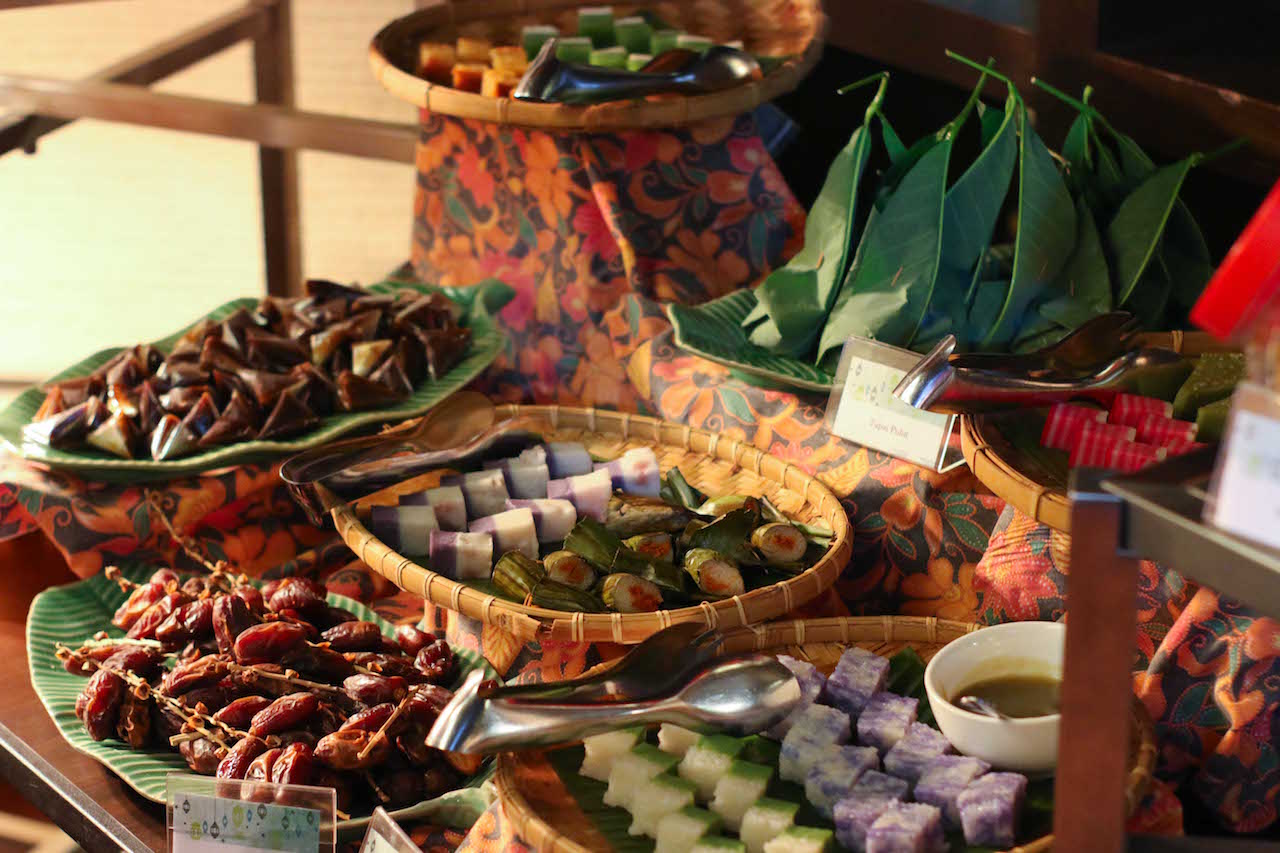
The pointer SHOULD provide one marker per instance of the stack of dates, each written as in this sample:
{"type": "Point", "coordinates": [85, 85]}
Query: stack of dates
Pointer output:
{"type": "Point", "coordinates": [274, 685]}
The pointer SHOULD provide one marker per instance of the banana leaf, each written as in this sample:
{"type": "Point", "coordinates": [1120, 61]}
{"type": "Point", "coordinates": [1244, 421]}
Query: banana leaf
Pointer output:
{"type": "Point", "coordinates": [1045, 239]}
{"type": "Point", "coordinates": [728, 534]}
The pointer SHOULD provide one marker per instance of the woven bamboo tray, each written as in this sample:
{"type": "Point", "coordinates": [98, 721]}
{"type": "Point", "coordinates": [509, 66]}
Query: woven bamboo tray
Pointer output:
{"type": "Point", "coordinates": [796, 34]}
{"type": "Point", "coordinates": [548, 819]}
{"type": "Point", "coordinates": [998, 452]}
{"type": "Point", "coordinates": [711, 463]}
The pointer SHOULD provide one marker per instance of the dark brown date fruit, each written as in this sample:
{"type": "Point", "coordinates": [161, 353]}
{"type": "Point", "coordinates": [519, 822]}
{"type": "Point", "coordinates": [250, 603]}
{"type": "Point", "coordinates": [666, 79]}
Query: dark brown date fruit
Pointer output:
{"type": "Point", "coordinates": [295, 765]}
{"type": "Point", "coordinates": [212, 699]}
{"type": "Point", "coordinates": [370, 719]}
{"type": "Point", "coordinates": [136, 604]}
{"type": "Point", "coordinates": [82, 699]}
{"type": "Point", "coordinates": [338, 615]}
{"type": "Point", "coordinates": [297, 736]}
{"type": "Point", "coordinates": [341, 785]}
{"type": "Point", "coordinates": [300, 595]}
{"type": "Point", "coordinates": [235, 764]}
{"type": "Point", "coordinates": [319, 663]}
{"type": "Point", "coordinates": [413, 745]}
{"type": "Point", "coordinates": [136, 659]}
{"type": "Point", "coordinates": [145, 627]}
{"type": "Point", "coordinates": [165, 723]}
{"type": "Point", "coordinates": [103, 696]}
{"type": "Point", "coordinates": [84, 661]}
{"type": "Point", "coordinates": [427, 703]}
{"type": "Point", "coordinates": [285, 713]}
{"type": "Point", "coordinates": [293, 617]}
{"type": "Point", "coordinates": [201, 672]}
{"type": "Point", "coordinates": [411, 639]}
{"type": "Point", "coordinates": [251, 596]}
{"type": "Point", "coordinates": [195, 586]}
{"type": "Point", "coordinates": [402, 787]}
{"type": "Point", "coordinates": [164, 577]}
{"type": "Point", "coordinates": [260, 768]}
{"type": "Point", "coordinates": [191, 621]}
{"type": "Point", "coordinates": [134, 725]}
{"type": "Point", "coordinates": [436, 662]}
{"type": "Point", "coordinates": [354, 636]}
{"type": "Point", "coordinates": [387, 665]}
{"type": "Point", "coordinates": [438, 780]}
{"type": "Point", "coordinates": [239, 713]}
{"type": "Point", "coordinates": [341, 750]}
{"type": "Point", "coordinates": [201, 755]}
{"type": "Point", "coordinates": [374, 689]}
{"type": "Point", "coordinates": [253, 679]}
{"type": "Point", "coordinates": [231, 616]}
{"type": "Point", "coordinates": [268, 642]}
{"type": "Point", "coordinates": [270, 587]}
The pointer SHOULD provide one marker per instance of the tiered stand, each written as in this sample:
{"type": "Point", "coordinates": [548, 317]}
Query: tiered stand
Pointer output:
{"type": "Point", "coordinates": [1155, 515]}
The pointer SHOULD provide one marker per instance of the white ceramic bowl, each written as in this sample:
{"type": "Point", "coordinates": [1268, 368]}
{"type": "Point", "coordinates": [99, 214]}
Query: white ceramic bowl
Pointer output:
{"type": "Point", "coordinates": [1027, 745]}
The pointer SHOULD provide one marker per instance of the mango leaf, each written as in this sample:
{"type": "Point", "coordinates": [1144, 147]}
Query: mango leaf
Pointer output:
{"type": "Point", "coordinates": [1135, 231]}
{"type": "Point", "coordinates": [890, 285]}
{"type": "Point", "coordinates": [948, 312]}
{"type": "Point", "coordinates": [1075, 150]}
{"type": "Point", "coordinates": [1150, 299]}
{"type": "Point", "coordinates": [1187, 257]}
{"type": "Point", "coordinates": [902, 166]}
{"type": "Point", "coordinates": [1108, 186]}
{"type": "Point", "coordinates": [974, 200]}
{"type": "Point", "coordinates": [1084, 282]}
{"type": "Point", "coordinates": [989, 123]}
{"type": "Point", "coordinates": [892, 143]}
{"type": "Point", "coordinates": [988, 296]}
{"type": "Point", "coordinates": [1046, 235]}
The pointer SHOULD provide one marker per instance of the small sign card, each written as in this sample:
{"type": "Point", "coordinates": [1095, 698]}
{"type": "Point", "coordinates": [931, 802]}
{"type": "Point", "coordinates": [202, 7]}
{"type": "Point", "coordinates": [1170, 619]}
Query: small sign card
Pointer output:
{"type": "Point", "coordinates": [1246, 494]}
{"type": "Point", "coordinates": [863, 409]}
{"type": "Point", "coordinates": [386, 836]}
{"type": "Point", "coordinates": [208, 815]}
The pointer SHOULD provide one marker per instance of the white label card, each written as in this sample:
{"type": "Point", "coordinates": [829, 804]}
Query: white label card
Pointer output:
{"type": "Point", "coordinates": [237, 816]}
{"type": "Point", "coordinates": [864, 410]}
{"type": "Point", "coordinates": [1247, 495]}
{"type": "Point", "coordinates": [386, 836]}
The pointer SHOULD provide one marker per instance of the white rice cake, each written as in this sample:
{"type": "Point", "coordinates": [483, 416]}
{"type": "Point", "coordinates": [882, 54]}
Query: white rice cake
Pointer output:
{"type": "Point", "coordinates": [707, 760]}
{"type": "Point", "coordinates": [766, 820]}
{"type": "Point", "coordinates": [631, 768]}
{"type": "Point", "coordinates": [676, 740]}
{"type": "Point", "coordinates": [803, 839]}
{"type": "Point", "coordinates": [738, 790]}
{"type": "Point", "coordinates": [656, 798]}
{"type": "Point", "coordinates": [680, 831]}
{"type": "Point", "coordinates": [603, 749]}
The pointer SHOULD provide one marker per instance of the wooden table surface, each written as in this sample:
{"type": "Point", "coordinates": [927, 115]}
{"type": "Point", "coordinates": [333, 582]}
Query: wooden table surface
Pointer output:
{"type": "Point", "coordinates": [81, 796]}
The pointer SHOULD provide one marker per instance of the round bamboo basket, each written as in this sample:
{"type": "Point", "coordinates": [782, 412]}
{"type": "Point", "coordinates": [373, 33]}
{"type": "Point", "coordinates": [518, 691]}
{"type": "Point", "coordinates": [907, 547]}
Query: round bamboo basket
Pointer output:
{"type": "Point", "coordinates": [796, 34]}
{"type": "Point", "coordinates": [547, 817]}
{"type": "Point", "coordinates": [715, 465]}
{"type": "Point", "coordinates": [1027, 483]}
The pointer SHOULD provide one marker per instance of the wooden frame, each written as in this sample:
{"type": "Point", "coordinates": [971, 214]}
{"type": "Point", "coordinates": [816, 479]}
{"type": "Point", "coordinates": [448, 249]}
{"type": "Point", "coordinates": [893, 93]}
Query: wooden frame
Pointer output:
{"type": "Point", "coordinates": [118, 93]}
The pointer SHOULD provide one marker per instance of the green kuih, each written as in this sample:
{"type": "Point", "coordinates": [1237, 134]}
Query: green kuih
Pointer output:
{"type": "Point", "coordinates": [679, 832]}
{"type": "Point", "coordinates": [1214, 377]}
{"type": "Point", "coordinates": [633, 33]}
{"type": "Point", "coordinates": [698, 44]}
{"type": "Point", "coordinates": [559, 596]}
{"type": "Point", "coordinates": [574, 49]}
{"type": "Point", "coordinates": [636, 61]}
{"type": "Point", "coordinates": [596, 23]}
{"type": "Point", "coordinates": [662, 41]}
{"type": "Point", "coordinates": [516, 575]}
{"type": "Point", "coordinates": [535, 36]}
{"type": "Point", "coordinates": [630, 594]}
{"type": "Point", "coordinates": [609, 57]}
{"type": "Point", "coordinates": [1211, 420]}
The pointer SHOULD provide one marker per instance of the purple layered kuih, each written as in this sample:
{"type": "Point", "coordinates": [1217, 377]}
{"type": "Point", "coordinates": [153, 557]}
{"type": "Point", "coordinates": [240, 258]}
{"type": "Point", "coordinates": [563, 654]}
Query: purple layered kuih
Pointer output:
{"type": "Point", "coordinates": [989, 808]}
{"type": "Point", "coordinates": [944, 780]}
{"type": "Point", "coordinates": [829, 780]}
{"type": "Point", "coordinates": [811, 681]}
{"type": "Point", "coordinates": [857, 677]}
{"type": "Point", "coordinates": [813, 736]}
{"type": "Point", "coordinates": [448, 503]}
{"type": "Point", "coordinates": [461, 556]}
{"type": "Point", "coordinates": [910, 756]}
{"type": "Point", "coordinates": [553, 518]}
{"type": "Point", "coordinates": [875, 783]}
{"type": "Point", "coordinates": [885, 719]}
{"type": "Point", "coordinates": [636, 473]}
{"type": "Point", "coordinates": [907, 828]}
{"type": "Point", "coordinates": [855, 814]}
{"type": "Point", "coordinates": [484, 491]}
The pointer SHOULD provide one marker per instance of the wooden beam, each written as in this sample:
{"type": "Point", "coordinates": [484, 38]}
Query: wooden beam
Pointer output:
{"type": "Point", "coordinates": [278, 165]}
{"type": "Point", "coordinates": [274, 126]}
{"type": "Point", "coordinates": [148, 66]}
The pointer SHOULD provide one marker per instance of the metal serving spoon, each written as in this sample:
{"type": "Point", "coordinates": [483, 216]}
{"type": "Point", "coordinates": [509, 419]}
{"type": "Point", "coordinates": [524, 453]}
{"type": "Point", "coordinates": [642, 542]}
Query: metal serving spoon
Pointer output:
{"type": "Point", "coordinates": [657, 666]}
{"type": "Point", "coordinates": [551, 79]}
{"type": "Point", "coordinates": [740, 695]}
{"type": "Point", "coordinates": [977, 705]}
{"type": "Point", "coordinates": [1090, 346]}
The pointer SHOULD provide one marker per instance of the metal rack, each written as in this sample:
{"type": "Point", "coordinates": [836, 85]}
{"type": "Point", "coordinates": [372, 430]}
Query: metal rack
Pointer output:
{"type": "Point", "coordinates": [1116, 521]}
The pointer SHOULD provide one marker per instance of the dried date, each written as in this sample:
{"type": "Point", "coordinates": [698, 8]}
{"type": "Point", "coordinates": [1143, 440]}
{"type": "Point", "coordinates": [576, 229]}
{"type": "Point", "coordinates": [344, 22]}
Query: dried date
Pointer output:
{"type": "Point", "coordinates": [436, 662]}
{"type": "Point", "coordinates": [231, 617]}
{"type": "Point", "coordinates": [260, 768]}
{"type": "Point", "coordinates": [370, 719]}
{"type": "Point", "coordinates": [427, 703]}
{"type": "Point", "coordinates": [318, 662]}
{"type": "Point", "coordinates": [139, 660]}
{"type": "Point", "coordinates": [294, 766]}
{"type": "Point", "coordinates": [201, 672]}
{"type": "Point", "coordinates": [235, 764]}
{"type": "Point", "coordinates": [191, 622]}
{"type": "Point", "coordinates": [164, 577]}
{"type": "Point", "coordinates": [254, 679]}
{"type": "Point", "coordinates": [375, 689]}
{"type": "Point", "coordinates": [285, 713]}
{"type": "Point", "coordinates": [339, 782]}
{"type": "Point", "coordinates": [134, 725]}
{"type": "Point", "coordinates": [389, 666]}
{"type": "Point", "coordinates": [411, 640]}
{"type": "Point", "coordinates": [341, 750]}
{"type": "Point", "coordinates": [402, 787]}
{"type": "Point", "coordinates": [145, 627]}
{"type": "Point", "coordinates": [412, 743]}
{"type": "Point", "coordinates": [239, 713]}
{"type": "Point", "coordinates": [300, 595]}
{"type": "Point", "coordinates": [201, 755]}
{"type": "Point", "coordinates": [251, 596]}
{"type": "Point", "coordinates": [210, 699]}
{"type": "Point", "coordinates": [268, 642]}
{"type": "Point", "coordinates": [137, 603]}
{"type": "Point", "coordinates": [353, 636]}
{"type": "Point", "coordinates": [103, 696]}
{"type": "Point", "coordinates": [438, 780]}
{"type": "Point", "coordinates": [196, 586]}
{"type": "Point", "coordinates": [338, 615]}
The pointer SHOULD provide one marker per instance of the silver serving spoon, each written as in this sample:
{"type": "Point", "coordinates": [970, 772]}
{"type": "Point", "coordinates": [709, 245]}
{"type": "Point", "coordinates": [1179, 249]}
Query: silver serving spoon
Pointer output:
{"type": "Point", "coordinates": [978, 705]}
{"type": "Point", "coordinates": [740, 695]}
{"type": "Point", "coordinates": [657, 666]}
{"type": "Point", "coordinates": [551, 79]}
{"type": "Point", "coordinates": [1090, 346]}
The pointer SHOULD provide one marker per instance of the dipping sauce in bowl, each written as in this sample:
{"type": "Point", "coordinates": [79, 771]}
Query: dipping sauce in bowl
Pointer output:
{"type": "Point", "coordinates": [1022, 695]}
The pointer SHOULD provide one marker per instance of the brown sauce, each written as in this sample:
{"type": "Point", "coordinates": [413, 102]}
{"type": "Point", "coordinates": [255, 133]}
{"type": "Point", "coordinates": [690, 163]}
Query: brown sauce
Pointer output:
{"type": "Point", "coordinates": [1018, 695]}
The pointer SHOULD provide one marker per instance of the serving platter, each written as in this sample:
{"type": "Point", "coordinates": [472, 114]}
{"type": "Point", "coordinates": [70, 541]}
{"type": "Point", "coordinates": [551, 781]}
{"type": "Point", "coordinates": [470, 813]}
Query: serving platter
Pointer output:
{"type": "Point", "coordinates": [555, 810]}
{"type": "Point", "coordinates": [487, 341]}
{"type": "Point", "coordinates": [77, 611]}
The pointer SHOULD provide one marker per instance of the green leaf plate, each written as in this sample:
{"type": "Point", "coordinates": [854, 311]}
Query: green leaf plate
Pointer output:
{"type": "Point", "coordinates": [714, 331]}
{"type": "Point", "coordinates": [79, 610]}
{"type": "Point", "coordinates": [487, 341]}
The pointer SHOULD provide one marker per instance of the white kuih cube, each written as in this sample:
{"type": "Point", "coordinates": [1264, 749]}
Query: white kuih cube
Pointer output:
{"type": "Point", "coordinates": [603, 750]}
{"type": "Point", "coordinates": [718, 844]}
{"type": "Point", "coordinates": [990, 808]}
{"type": "Point", "coordinates": [656, 798]}
{"type": "Point", "coordinates": [707, 760]}
{"type": "Point", "coordinates": [885, 720]}
{"type": "Point", "coordinates": [765, 821]}
{"type": "Point", "coordinates": [811, 682]}
{"type": "Point", "coordinates": [680, 831]}
{"type": "Point", "coordinates": [831, 778]}
{"type": "Point", "coordinates": [643, 762]}
{"type": "Point", "coordinates": [858, 676]}
{"type": "Point", "coordinates": [676, 740]}
{"type": "Point", "coordinates": [802, 839]}
{"type": "Point", "coordinates": [907, 828]}
{"type": "Point", "coordinates": [738, 790]}
{"type": "Point", "coordinates": [910, 756]}
{"type": "Point", "coordinates": [944, 779]}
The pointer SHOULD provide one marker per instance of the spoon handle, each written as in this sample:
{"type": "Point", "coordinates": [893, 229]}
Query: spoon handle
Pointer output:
{"type": "Point", "coordinates": [506, 725]}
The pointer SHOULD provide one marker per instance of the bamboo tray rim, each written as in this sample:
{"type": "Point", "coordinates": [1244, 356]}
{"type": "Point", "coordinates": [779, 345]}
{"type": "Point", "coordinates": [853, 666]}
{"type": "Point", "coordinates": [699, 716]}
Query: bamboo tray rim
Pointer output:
{"type": "Point", "coordinates": [544, 838]}
{"type": "Point", "coordinates": [614, 115]}
{"type": "Point", "coordinates": [531, 623]}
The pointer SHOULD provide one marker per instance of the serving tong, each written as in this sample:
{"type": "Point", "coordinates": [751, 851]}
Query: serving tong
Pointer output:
{"type": "Point", "coordinates": [1096, 362]}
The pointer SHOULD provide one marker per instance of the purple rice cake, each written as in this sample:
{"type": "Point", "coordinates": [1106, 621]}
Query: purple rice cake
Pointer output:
{"type": "Point", "coordinates": [857, 677]}
{"type": "Point", "coordinates": [911, 755]}
{"type": "Point", "coordinates": [885, 719]}
{"type": "Point", "coordinates": [831, 778]}
{"type": "Point", "coordinates": [907, 828]}
{"type": "Point", "coordinates": [990, 808]}
{"type": "Point", "coordinates": [943, 780]}
{"type": "Point", "coordinates": [811, 683]}
{"type": "Point", "coordinates": [855, 814]}
{"type": "Point", "coordinates": [811, 737]}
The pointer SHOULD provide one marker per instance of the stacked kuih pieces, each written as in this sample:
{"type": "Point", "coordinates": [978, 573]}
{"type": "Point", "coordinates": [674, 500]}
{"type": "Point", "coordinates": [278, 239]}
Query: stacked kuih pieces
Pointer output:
{"type": "Point", "coordinates": [1135, 432]}
{"type": "Point", "coordinates": [269, 373]}
{"type": "Point", "coordinates": [898, 788]}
